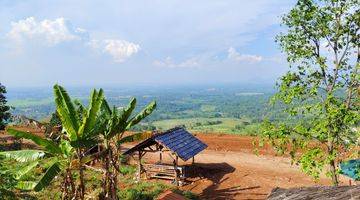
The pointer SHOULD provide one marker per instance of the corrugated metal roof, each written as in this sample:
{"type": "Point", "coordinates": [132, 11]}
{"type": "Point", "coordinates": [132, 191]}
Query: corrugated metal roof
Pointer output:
{"type": "Point", "coordinates": [177, 140]}
{"type": "Point", "coordinates": [181, 142]}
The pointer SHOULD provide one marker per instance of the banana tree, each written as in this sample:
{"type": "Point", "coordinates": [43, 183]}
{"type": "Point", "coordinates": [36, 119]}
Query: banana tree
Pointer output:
{"type": "Point", "coordinates": [56, 158]}
{"type": "Point", "coordinates": [114, 123]}
{"type": "Point", "coordinates": [81, 130]}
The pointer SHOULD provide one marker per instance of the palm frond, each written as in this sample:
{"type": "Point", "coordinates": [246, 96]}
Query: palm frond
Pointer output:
{"type": "Point", "coordinates": [105, 107]}
{"type": "Point", "coordinates": [23, 155]}
{"type": "Point", "coordinates": [140, 116]}
{"type": "Point", "coordinates": [47, 145]}
{"type": "Point", "coordinates": [66, 148]}
{"type": "Point", "coordinates": [67, 112]}
{"type": "Point", "coordinates": [26, 169]}
{"type": "Point", "coordinates": [25, 185]}
{"type": "Point", "coordinates": [128, 110]}
{"type": "Point", "coordinates": [49, 175]}
{"type": "Point", "coordinates": [89, 121]}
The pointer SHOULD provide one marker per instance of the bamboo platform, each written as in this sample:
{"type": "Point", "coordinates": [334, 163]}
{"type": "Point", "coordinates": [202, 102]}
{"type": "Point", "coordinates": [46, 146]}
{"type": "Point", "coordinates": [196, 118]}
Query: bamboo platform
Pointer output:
{"type": "Point", "coordinates": [163, 171]}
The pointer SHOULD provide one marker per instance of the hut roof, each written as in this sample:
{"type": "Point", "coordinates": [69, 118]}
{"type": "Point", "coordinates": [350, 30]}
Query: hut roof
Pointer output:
{"type": "Point", "coordinates": [350, 168]}
{"type": "Point", "coordinates": [321, 193]}
{"type": "Point", "coordinates": [177, 140]}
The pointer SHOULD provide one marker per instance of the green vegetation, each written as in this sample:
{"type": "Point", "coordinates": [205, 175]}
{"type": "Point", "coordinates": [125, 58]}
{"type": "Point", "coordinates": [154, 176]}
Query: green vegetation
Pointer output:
{"type": "Point", "coordinates": [220, 104]}
{"type": "Point", "coordinates": [321, 89]}
{"type": "Point", "coordinates": [85, 128]}
{"type": "Point", "coordinates": [23, 103]}
{"type": "Point", "coordinates": [4, 109]}
{"type": "Point", "coordinates": [131, 190]}
{"type": "Point", "coordinates": [211, 125]}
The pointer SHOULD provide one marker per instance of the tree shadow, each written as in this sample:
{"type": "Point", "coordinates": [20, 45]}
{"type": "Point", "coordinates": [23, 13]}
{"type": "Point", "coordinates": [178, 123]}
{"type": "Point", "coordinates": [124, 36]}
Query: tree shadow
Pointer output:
{"type": "Point", "coordinates": [215, 172]}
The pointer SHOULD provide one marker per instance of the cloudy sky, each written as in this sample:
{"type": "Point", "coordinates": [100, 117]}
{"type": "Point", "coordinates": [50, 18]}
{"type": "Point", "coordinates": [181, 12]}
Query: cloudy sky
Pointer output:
{"type": "Point", "coordinates": [159, 42]}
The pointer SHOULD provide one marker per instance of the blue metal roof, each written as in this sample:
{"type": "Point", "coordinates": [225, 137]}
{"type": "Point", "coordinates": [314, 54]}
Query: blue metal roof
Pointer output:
{"type": "Point", "coordinates": [181, 142]}
{"type": "Point", "coordinates": [351, 168]}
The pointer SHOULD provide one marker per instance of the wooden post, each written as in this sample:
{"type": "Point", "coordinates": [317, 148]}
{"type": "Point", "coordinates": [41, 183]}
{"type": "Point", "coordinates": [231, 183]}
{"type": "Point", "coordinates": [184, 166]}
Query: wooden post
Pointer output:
{"type": "Point", "coordinates": [176, 171]}
{"type": "Point", "coordinates": [193, 160]}
{"type": "Point", "coordinates": [160, 156]}
{"type": "Point", "coordinates": [139, 167]}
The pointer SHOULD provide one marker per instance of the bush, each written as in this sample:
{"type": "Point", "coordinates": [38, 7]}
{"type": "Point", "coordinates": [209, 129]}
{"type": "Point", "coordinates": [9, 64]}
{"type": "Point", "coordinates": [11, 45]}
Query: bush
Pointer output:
{"type": "Point", "coordinates": [127, 169]}
{"type": "Point", "coordinates": [142, 191]}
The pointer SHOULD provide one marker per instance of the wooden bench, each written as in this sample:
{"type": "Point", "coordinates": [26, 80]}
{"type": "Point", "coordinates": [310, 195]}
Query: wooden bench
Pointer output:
{"type": "Point", "coordinates": [163, 171]}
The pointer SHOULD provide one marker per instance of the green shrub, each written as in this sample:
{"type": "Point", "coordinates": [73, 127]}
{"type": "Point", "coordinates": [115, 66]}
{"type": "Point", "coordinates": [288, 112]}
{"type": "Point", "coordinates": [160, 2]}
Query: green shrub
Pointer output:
{"type": "Point", "coordinates": [142, 191]}
{"type": "Point", "coordinates": [127, 169]}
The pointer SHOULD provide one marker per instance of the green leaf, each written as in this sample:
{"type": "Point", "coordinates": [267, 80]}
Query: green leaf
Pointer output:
{"type": "Point", "coordinates": [134, 138]}
{"type": "Point", "coordinates": [25, 185]}
{"type": "Point", "coordinates": [48, 145]}
{"type": "Point", "coordinates": [88, 124]}
{"type": "Point", "coordinates": [67, 112]}
{"type": "Point", "coordinates": [23, 155]}
{"type": "Point", "coordinates": [128, 110]}
{"type": "Point", "coordinates": [105, 107]}
{"type": "Point", "coordinates": [85, 143]}
{"type": "Point", "coordinates": [49, 175]}
{"type": "Point", "coordinates": [144, 113]}
{"type": "Point", "coordinates": [7, 194]}
{"type": "Point", "coordinates": [66, 148]}
{"type": "Point", "coordinates": [26, 169]}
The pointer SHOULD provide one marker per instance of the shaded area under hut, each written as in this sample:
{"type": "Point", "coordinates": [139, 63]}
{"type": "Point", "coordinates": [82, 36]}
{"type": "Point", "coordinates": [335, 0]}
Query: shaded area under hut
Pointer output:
{"type": "Point", "coordinates": [176, 143]}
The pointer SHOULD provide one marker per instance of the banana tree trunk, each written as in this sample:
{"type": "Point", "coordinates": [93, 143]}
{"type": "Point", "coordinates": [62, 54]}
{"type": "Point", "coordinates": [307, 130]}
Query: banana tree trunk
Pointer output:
{"type": "Point", "coordinates": [81, 188]}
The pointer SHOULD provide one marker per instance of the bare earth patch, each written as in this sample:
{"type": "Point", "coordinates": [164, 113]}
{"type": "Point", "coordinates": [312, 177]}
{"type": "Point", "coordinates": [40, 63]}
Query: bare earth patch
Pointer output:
{"type": "Point", "coordinates": [229, 169]}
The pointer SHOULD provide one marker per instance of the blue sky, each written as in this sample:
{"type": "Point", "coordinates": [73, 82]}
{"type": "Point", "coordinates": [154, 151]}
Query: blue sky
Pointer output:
{"type": "Point", "coordinates": [158, 42]}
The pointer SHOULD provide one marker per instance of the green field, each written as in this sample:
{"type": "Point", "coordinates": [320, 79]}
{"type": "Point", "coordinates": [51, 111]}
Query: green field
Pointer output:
{"type": "Point", "coordinates": [211, 125]}
{"type": "Point", "coordinates": [20, 103]}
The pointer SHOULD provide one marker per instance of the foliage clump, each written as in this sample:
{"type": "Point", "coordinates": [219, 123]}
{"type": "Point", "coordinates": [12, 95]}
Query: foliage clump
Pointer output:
{"type": "Point", "coordinates": [4, 109]}
{"type": "Point", "coordinates": [320, 91]}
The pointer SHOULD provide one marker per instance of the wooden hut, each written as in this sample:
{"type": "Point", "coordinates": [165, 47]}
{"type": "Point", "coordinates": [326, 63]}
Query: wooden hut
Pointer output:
{"type": "Point", "coordinates": [177, 143]}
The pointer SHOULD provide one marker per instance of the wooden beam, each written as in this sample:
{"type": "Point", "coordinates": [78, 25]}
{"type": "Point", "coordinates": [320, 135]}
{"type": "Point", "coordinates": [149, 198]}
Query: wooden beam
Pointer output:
{"type": "Point", "coordinates": [176, 171]}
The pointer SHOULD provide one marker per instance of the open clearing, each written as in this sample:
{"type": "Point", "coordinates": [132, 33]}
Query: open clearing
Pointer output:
{"type": "Point", "coordinates": [229, 169]}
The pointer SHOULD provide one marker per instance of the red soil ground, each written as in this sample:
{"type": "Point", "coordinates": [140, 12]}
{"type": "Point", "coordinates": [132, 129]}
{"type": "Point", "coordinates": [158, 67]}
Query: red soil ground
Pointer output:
{"type": "Point", "coordinates": [228, 169]}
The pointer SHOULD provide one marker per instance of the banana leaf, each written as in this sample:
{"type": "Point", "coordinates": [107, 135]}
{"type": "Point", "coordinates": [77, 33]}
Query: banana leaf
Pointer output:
{"type": "Point", "coordinates": [23, 155]}
{"type": "Point", "coordinates": [67, 112]}
{"type": "Point", "coordinates": [47, 145]}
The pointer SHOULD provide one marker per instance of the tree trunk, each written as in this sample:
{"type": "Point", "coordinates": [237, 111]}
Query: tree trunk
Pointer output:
{"type": "Point", "coordinates": [82, 182]}
{"type": "Point", "coordinates": [81, 188]}
{"type": "Point", "coordinates": [68, 186]}
{"type": "Point", "coordinates": [332, 164]}
{"type": "Point", "coordinates": [334, 176]}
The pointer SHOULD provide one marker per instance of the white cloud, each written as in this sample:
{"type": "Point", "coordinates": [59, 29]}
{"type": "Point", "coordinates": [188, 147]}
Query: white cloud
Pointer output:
{"type": "Point", "coordinates": [168, 62]}
{"type": "Point", "coordinates": [120, 50]}
{"type": "Point", "coordinates": [236, 56]}
{"type": "Point", "coordinates": [51, 31]}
